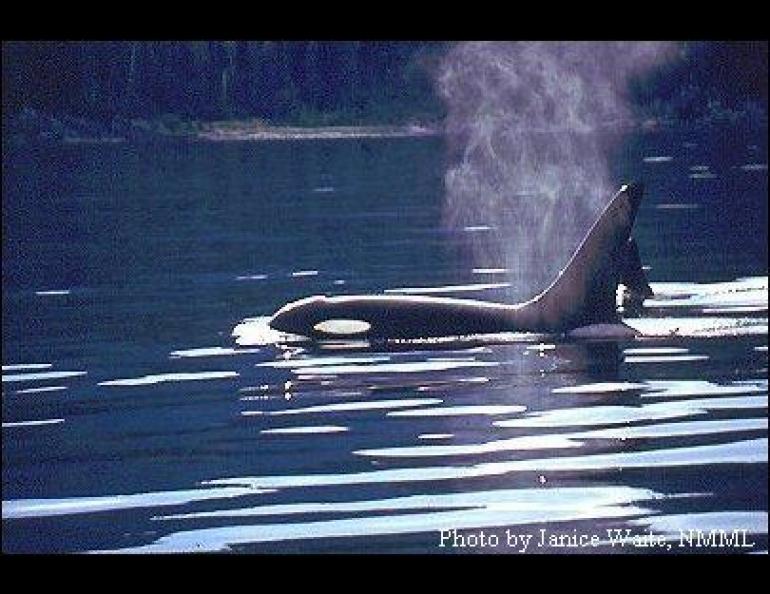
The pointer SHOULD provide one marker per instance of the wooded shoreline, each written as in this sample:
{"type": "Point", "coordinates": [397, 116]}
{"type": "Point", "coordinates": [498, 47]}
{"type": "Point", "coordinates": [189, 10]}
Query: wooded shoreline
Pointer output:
{"type": "Point", "coordinates": [96, 91]}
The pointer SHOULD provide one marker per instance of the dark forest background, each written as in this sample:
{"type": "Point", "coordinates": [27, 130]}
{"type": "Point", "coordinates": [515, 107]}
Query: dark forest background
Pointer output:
{"type": "Point", "coordinates": [113, 84]}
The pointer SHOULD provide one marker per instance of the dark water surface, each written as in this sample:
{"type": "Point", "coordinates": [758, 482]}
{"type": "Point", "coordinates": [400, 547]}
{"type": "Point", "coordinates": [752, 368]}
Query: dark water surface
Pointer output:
{"type": "Point", "coordinates": [147, 408]}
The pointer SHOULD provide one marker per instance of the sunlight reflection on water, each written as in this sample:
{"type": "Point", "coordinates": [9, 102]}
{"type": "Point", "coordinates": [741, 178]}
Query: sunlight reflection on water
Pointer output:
{"type": "Point", "coordinates": [148, 406]}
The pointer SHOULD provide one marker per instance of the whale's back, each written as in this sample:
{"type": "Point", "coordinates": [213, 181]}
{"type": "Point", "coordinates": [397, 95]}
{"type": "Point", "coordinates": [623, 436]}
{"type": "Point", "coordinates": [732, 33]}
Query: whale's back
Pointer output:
{"type": "Point", "coordinates": [583, 294]}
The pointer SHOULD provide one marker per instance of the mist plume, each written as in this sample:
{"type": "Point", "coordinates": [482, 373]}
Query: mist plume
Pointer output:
{"type": "Point", "coordinates": [531, 126]}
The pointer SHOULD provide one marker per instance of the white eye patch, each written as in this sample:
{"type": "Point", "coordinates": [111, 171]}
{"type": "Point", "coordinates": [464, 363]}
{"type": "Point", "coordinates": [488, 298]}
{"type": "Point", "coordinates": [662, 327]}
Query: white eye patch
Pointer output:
{"type": "Point", "coordinates": [342, 327]}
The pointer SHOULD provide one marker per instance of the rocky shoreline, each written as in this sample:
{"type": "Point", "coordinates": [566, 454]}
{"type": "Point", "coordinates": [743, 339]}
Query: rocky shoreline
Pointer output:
{"type": "Point", "coordinates": [317, 133]}
{"type": "Point", "coordinates": [34, 126]}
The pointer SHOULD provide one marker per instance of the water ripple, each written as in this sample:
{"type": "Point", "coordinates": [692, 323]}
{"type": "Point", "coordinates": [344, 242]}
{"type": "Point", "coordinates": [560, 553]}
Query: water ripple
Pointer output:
{"type": "Point", "coordinates": [476, 510]}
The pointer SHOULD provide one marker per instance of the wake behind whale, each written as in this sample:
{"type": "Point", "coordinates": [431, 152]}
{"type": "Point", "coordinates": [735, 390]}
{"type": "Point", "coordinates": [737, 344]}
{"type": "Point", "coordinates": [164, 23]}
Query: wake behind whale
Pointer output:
{"type": "Point", "coordinates": [583, 294]}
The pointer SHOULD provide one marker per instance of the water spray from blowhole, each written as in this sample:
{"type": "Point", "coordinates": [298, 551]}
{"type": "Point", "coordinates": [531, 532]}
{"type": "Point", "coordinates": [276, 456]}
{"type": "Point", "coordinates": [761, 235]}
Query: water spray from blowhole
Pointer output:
{"type": "Point", "coordinates": [531, 127]}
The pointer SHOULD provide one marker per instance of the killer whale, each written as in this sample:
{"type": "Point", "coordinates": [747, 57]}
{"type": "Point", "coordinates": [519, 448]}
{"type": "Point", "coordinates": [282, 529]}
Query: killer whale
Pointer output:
{"type": "Point", "coordinates": [582, 294]}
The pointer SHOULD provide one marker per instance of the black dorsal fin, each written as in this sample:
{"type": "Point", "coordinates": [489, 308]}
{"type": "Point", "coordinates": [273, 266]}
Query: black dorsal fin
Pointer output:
{"type": "Point", "coordinates": [585, 290]}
